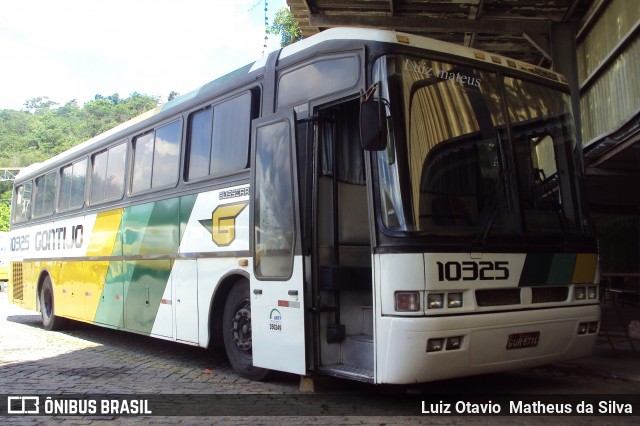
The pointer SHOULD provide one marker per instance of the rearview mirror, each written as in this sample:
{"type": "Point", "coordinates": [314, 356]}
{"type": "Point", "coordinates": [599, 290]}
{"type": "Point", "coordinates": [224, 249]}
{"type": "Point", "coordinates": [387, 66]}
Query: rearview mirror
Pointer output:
{"type": "Point", "coordinates": [373, 125]}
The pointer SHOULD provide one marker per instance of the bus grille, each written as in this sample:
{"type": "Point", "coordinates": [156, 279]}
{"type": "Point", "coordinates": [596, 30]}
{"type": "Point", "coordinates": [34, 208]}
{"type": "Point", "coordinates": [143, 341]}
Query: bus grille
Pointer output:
{"type": "Point", "coordinates": [549, 294]}
{"type": "Point", "coordinates": [16, 280]}
{"type": "Point", "coordinates": [498, 297]}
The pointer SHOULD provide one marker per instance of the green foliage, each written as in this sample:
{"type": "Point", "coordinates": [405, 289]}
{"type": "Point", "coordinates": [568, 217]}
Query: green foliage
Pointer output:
{"type": "Point", "coordinates": [44, 129]}
{"type": "Point", "coordinates": [5, 210]}
{"type": "Point", "coordinates": [286, 26]}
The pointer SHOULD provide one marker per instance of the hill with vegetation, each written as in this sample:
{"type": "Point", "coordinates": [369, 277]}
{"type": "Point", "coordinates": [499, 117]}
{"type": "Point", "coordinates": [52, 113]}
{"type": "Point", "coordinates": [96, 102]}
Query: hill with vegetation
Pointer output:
{"type": "Point", "coordinates": [44, 128]}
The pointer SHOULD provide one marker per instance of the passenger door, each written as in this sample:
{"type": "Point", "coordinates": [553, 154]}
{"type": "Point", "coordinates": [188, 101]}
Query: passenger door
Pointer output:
{"type": "Point", "coordinates": [277, 298]}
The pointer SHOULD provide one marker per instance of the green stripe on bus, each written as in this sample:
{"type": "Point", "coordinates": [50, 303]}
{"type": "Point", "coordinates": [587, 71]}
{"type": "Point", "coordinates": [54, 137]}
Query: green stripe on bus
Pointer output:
{"type": "Point", "coordinates": [144, 292]}
{"type": "Point", "coordinates": [536, 269]}
{"type": "Point", "coordinates": [548, 269]}
{"type": "Point", "coordinates": [561, 270]}
{"type": "Point", "coordinates": [133, 289]}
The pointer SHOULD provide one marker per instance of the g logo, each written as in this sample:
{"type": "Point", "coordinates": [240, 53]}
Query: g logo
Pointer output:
{"type": "Point", "coordinates": [223, 218]}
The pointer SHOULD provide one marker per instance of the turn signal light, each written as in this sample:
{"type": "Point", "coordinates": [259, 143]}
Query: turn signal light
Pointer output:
{"type": "Point", "coordinates": [407, 301]}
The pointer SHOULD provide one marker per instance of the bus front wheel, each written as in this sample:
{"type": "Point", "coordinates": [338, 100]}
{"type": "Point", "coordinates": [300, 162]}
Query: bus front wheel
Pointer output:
{"type": "Point", "coordinates": [47, 308]}
{"type": "Point", "coordinates": [236, 324]}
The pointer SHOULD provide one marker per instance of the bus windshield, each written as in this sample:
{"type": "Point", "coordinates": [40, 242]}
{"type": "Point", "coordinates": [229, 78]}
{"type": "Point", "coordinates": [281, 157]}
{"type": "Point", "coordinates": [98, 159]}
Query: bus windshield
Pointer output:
{"type": "Point", "coordinates": [456, 164]}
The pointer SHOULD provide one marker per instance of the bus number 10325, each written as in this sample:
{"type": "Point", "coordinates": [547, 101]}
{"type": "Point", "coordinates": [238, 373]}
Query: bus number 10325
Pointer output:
{"type": "Point", "coordinates": [472, 271]}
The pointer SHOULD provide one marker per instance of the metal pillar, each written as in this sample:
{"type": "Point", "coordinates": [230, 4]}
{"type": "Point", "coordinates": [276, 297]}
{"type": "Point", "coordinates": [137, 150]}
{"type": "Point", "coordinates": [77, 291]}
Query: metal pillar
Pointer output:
{"type": "Point", "coordinates": [564, 54]}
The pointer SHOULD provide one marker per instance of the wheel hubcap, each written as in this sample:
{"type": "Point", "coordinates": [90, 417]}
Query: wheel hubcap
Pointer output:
{"type": "Point", "coordinates": [242, 328]}
{"type": "Point", "coordinates": [47, 303]}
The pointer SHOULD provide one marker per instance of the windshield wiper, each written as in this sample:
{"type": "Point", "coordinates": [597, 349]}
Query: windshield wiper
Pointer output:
{"type": "Point", "coordinates": [497, 204]}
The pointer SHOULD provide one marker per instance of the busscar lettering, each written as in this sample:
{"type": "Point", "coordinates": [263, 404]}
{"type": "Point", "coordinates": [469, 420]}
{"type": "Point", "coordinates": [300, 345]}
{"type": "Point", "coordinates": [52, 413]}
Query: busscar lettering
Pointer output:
{"type": "Point", "coordinates": [233, 193]}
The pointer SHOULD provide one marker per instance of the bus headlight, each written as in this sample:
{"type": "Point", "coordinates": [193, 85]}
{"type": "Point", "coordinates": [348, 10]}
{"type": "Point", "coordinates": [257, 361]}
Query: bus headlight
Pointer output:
{"type": "Point", "coordinates": [435, 301]}
{"type": "Point", "coordinates": [407, 301]}
{"type": "Point", "coordinates": [579, 293]}
{"type": "Point", "coordinates": [454, 300]}
{"type": "Point", "coordinates": [454, 343]}
{"type": "Point", "coordinates": [435, 345]}
{"type": "Point", "coordinates": [592, 292]}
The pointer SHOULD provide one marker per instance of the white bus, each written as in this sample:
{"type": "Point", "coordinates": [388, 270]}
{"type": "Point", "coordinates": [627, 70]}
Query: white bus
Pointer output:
{"type": "Point", "coordinates": [364, 204]}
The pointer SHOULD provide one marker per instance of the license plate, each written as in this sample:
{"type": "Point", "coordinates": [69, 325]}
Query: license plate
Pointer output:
{"type": "Point", "coordinates": [523, 340]}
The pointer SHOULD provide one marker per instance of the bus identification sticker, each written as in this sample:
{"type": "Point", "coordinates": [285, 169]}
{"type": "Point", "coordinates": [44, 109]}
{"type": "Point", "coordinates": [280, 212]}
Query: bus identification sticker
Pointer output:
{"type": "Point", "coordinates": [523, 340]}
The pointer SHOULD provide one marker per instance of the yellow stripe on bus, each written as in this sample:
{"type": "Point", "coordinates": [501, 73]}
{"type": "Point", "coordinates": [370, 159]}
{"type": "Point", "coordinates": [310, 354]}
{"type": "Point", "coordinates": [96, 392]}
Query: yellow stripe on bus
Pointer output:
{"type": "Point", "coordinates": [584, 271]}
{"type": "Point", "coordinates": [103, 239]}
{"type": "Point", "coordinates": [104, 233]}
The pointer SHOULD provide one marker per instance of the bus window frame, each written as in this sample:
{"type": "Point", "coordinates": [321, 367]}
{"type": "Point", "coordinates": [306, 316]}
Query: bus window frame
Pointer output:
{"type": "Point", "coordinates": [292, 68]}
{"type": "Point", "coordinates": [132, 154]}
{"type": "Point", "coordinates": [255, 93]}
{"type": "Point", "coordinates": [87, 168]}
{"type": "Point", "coordinates": [89, 194]}
{"type": "Point", "coordinates": [35, 193]}
{"type": "Point", "coordinates": [284, 116]}
{"type": "Point", "coordinates": [28, 215]}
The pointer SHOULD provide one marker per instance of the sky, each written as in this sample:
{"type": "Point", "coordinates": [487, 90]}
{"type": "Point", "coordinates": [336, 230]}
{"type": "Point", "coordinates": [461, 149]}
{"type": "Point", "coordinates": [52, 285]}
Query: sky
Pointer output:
{"type": "Point", "coordinates": [75, 49]}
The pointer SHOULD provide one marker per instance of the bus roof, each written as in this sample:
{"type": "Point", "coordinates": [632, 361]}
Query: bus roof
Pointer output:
{"type": "Point", "coordinates": [421, 42]}
{"type": "Point", "coordinates": [345, 33]}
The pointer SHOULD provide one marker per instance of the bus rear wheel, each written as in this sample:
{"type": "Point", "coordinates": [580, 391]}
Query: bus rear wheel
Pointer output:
{"type": "Point", "coordinates": [47, 307]}
{"type": "Point", "coordinates": [236, 324]}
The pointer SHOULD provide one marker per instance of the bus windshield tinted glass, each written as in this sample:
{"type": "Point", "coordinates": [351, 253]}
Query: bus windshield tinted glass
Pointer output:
{"type": "Point", "coordinates": [445, 168]}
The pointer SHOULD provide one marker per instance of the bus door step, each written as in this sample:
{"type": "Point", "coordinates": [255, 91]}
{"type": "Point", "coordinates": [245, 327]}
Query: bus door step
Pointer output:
{"type": "Point", "coordinates": [348, 372]}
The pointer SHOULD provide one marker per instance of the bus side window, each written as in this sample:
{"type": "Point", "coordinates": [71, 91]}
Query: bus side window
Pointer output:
{"type": "Point", "coordinates": [156, 158]}
{"type": "Point", "coordinates": [72, 184]}
{"type": "Point", "coordinates": [45, 195]}
{"type": "Point", "coordinates": [219, 138]}
{"type": "Point", "coordinates": [22, 202]}
{"type": "Point", "coordinates": [107, 178]}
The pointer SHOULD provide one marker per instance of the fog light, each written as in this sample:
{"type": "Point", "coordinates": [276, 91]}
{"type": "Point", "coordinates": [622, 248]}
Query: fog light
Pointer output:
{"type": "Point", "coordinates": [454, 300]}
{"type": "Point", "coordinates": [435, 301]}
{"type": "Point", "coordinates": [592, 292]}
{"type": "Point", "coordinates": [407, 301]}
{"type": "Point", "coordinates": [454, 342]}
{"type": "Point", "coordinates": [582, 328]}
{"type": "Point", "coordinates": [579, 293]}
{"type": "Point", "coordinates": [593, 327]}
{"type": "Point", "coordinates": [434, 345]}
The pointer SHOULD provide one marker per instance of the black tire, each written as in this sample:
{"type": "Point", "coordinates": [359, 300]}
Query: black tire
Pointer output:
{"type": "Point", "coordinates": [236, 332]}
{"type": "Point", "coordinates": [47, 308]}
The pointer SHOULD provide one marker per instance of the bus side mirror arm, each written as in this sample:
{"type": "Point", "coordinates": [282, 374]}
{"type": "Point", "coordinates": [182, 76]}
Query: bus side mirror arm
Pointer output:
{"type": "Point", "coordinates": [373, 125]}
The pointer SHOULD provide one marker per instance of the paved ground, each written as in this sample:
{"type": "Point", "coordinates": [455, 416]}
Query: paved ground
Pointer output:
{"type": "Point", "coordinates": [92, 360]}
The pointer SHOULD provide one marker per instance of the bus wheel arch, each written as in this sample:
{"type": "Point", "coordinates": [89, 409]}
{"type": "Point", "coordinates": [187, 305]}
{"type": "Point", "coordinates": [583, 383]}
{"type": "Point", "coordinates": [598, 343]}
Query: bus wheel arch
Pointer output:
{"type": "Point", "coordinates": [47, 304]}
{"type": "Point", "coordinates": [233, 326]}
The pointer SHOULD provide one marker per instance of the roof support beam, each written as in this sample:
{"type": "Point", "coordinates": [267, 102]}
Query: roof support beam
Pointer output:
{"type": "Point", "coordinates": [470, 38]}
{"type": "Point", "coordinates": [414, 23]}
{"type": "Point", "coordinates": [539, 42]}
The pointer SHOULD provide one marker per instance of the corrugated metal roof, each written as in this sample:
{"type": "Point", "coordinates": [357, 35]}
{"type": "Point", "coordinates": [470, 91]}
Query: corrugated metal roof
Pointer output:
{"type": "Point", "coordinates": [515, 28]}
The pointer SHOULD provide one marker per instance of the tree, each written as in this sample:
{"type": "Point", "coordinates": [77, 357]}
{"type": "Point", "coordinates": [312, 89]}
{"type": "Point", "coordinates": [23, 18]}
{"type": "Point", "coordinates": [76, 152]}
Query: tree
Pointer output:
{"type": "Point", "coordinates": [39, 105]}
{"type": "Point", "coordinates": [44, 129]}
{"type": "Point", "coordinates": [286, 26]}
{"type": "Point", "coordinates": [173, 95]}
